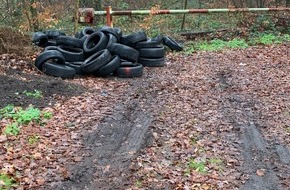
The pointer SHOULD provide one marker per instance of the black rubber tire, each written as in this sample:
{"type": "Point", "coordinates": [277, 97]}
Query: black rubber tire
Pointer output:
{"type": "Point", "coordinates": [130, 70]}
{"type": "Point", "coordinates": [156, 52]}
{"type": "Point", "coordinates": [49, 55]}
{"type": "Point", "coordinates": [86, 31]}
{"type": "Point", "coordinates": [58, 70]}
{"type": "Point", "coordinates": [76, 66]}
{"type": "Point", "coordinates": [83, 39]}
{"type": "Point", "coordinates": [71, 54]}
{"type": "Point", "coordinates": [53, 34]}
{"type": "Point", "coordinates": [50, 48]}
{"type": "Point", "coordinates": [110, 30]}
{"type": "Point", "coordinates": [124, 52]}
{"type": "Point", "coordinates": [78, 34]}
{"type": "Point", "coordinates": [51, 42]}
{"type": "Point", "coordinates": [69, 41]}
{"type": "Point", "coordinates": [96, 61]}
{"type": "Point", "coordinates": [111, 40]}
{"type": "Point", "coordinates": [158, 38]}
{"type": "Point", "coordinates": [110, 67]}
{"type": "Point", "coordinates": [40, 39]}
{"type": "Point", "coordinates": [119, 33]}
{"type": "Point", "coordinates": [94, 43]}
{"type": "Point", "coordinates": [172, 44]}
{"type": "Point", "coordinates": [132, 39]}
{"type": "Point", "coordinates": [146, 44]}
{"type": "Point", "coordinates": [149, 62]}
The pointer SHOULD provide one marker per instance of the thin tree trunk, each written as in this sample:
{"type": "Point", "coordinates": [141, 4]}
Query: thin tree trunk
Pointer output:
{"type": "Point", "coordinates": [184, 16]}
{"type": "Point", "coordinates": [77, 4]}
{"type": "Point", "coordinates": [34, 14]}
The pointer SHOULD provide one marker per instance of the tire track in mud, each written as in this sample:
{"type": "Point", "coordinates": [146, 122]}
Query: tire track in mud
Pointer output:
{"type": "Point", "coordinates": [112, 147]}
{"type": "Point", "coordinates": [265, 162]}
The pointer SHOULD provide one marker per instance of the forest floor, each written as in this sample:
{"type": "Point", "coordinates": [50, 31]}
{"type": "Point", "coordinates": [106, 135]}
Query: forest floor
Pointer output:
{"type": "Point", "coordinates": [208, 120]}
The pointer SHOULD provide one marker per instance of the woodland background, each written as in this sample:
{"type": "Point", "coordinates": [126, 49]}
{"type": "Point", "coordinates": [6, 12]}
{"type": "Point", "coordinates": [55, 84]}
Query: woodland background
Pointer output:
{"type": "Point", "coordinates": [37, 15]}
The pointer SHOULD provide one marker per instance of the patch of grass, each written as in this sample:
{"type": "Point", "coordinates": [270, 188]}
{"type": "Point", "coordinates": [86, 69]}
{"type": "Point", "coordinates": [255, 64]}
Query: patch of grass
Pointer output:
{"type": "Point", "coordinates": [34, 93]}
{"type": "Point", "coordinates": [12, 129]}
{"type": "Point", "coordinates": [264, 39]}
{"type": "Point", "coordinates": [217, 45]}
{"type": "Point", "coordinates": [199, 166]}
{"type": "Point", "coordinates": [268, 39]}
{"type": "Point", "coordinates": [213, 45]}
{"type": "Point", "coordinates": [33, 139]}
{"type": "Point", "coordinates": [237, 43]}
{"type": "Point", "coordinates": [6, 182]}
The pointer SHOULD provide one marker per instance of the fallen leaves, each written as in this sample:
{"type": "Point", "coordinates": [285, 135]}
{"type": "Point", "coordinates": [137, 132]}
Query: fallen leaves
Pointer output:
{"type": "Point", "coordinates": [191, 122]}
{"type": "Point", "coordinates": [185, 102]}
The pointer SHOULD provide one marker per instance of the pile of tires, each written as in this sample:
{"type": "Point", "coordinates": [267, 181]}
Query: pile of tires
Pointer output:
{"type": "Point", "coordinates": [100, 52]}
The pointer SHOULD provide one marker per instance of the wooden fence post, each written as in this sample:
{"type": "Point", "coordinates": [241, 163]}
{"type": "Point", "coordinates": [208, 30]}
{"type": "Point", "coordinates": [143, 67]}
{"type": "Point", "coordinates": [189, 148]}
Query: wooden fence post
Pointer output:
{"type": "Point", "coordinates": [109, 16]}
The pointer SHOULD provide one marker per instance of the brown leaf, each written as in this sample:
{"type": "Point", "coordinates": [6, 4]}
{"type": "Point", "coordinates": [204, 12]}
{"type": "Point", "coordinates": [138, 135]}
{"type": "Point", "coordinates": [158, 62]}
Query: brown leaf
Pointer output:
{"type": "Point", "coordinates": [40, 181]}
{"type": "Point", "coordinates": [77, 159]}
{"type": "Point", "coordinates": [260, 172]}
{"type": "Point", "coordinates": [3, 138]}
{"type": "Point", "coordinates": [37, 155]}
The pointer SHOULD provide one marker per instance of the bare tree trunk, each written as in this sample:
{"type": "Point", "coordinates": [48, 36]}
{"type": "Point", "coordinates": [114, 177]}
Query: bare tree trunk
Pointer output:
{"type": "Point", "coordinates": [184, 16]}
{"type": "Point", "coordinates": [77, 5]}
{"type": "Point", "coordinates": [34, 15]}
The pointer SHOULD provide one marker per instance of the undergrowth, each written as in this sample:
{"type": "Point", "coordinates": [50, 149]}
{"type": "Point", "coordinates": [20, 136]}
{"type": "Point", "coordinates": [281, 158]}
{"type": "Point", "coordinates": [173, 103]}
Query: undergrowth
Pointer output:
{"type": "Point", "coordinates": [18, 117]}
{"type": "Point", "coordinates": [237, 43]}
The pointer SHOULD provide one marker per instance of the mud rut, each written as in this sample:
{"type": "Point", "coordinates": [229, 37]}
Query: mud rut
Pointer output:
{"type": "Point", "coordinates": [116, 142]}
{"type": "Point", "coordinates": [268, 156]}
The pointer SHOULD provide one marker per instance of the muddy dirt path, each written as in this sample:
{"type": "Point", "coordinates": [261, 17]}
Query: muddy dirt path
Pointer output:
{"type": "Point", "coordinates": [116, 141]}
{"type": "Point", "coordinates": [224, 111]}
{"type": "Point", "coordinates": [265, 162]}
{"type": "Point", "coordinates": [112, 146]}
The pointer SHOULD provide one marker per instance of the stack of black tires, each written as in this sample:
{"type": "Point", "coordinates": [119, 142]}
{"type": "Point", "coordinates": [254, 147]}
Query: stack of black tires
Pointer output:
{"type": "Point", "coordinates": [100, 52]}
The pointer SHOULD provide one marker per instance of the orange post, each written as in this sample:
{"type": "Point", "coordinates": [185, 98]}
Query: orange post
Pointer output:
{"type": "Point", "coordinates": [109, 16]}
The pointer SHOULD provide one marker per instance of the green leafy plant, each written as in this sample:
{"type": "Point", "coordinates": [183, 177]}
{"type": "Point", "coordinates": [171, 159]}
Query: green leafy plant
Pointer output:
{"type": "Point", "coordinates": [47, 115]}
{"type": "Point", "coordinates": [27, 115]}
{"type": "Point", "coordinates": [34, 93]}
{"type": "Point", "coordinates": [199, 166]}
{"type": "Point", "coordinates": [7, 111]}
{"type": "Point", "coordinates": [12, 129]}
{"type": "Point", "coordinates": [6, 182]}
{"type": "Point", "coordinates": [33, 139]}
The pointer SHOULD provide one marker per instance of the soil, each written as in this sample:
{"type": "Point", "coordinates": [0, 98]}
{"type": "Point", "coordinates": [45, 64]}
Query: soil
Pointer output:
{"type": "Point", "coordinates": [231, 107]}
